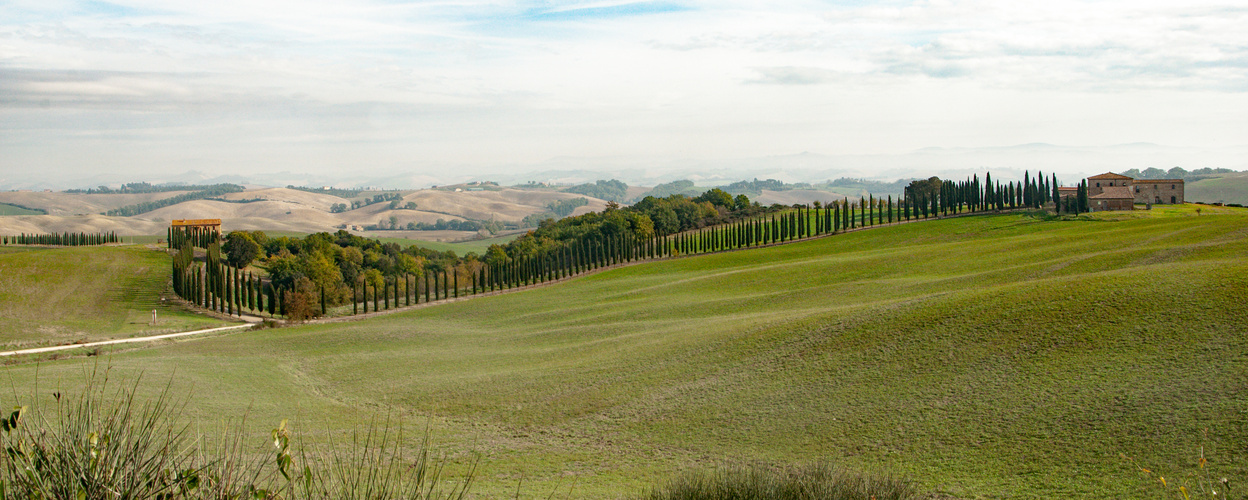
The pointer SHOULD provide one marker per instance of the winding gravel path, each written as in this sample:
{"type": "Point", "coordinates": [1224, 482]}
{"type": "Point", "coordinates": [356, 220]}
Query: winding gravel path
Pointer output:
{"type": "Point", "coordinates": [38, 350]}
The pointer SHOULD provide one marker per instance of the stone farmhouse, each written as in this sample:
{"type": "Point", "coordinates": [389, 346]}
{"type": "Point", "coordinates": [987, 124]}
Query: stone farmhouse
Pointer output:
{"type": "Point", "coordinates": [1110, 191]}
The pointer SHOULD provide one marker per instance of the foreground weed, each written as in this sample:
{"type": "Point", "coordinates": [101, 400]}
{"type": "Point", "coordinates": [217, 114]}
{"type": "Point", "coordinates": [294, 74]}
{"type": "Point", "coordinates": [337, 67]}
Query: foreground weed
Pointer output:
{"type": "Point", "coordinates": [105, 444]}
{"type": "Point", "coordinates": [1198, 483]}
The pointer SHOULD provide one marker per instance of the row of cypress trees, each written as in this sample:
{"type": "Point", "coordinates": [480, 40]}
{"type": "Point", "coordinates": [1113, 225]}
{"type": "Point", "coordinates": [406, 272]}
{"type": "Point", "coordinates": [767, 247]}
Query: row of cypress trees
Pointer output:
{"type": "Point", "coordinates": [1031, 192]}
{"type": "Point", "coordinates": [215, 285]}
{"type": "Point", "coordinates": [62, 239]}
{"type": "Point", "coordinates": [573, 258]}
{"type": "Point", "coordinates": [198, 236]}
{"type": "Point", "coordinates": [578, 256]}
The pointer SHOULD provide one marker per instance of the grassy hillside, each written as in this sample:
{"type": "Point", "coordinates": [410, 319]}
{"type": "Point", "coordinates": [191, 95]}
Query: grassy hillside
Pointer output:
{"type": "Point", "coordinates": [52, 296]}
{"type": "Point", "coordinates": [7, 209]}
{"type": "Point", "coordinates": [1232, 188]}
{"type": "Point", "coordinates": [983, 356]}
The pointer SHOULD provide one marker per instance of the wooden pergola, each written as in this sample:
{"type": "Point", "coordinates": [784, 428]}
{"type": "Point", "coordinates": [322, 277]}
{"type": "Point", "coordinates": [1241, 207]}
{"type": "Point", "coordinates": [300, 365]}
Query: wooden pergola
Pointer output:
{"type": "Point", "coordinates": [213, 224]}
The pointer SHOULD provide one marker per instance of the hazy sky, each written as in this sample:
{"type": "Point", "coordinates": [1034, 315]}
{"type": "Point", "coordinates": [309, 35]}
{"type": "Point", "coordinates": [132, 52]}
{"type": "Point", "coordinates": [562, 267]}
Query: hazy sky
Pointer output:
{"type": "Point", "coordinates": [148, 86]}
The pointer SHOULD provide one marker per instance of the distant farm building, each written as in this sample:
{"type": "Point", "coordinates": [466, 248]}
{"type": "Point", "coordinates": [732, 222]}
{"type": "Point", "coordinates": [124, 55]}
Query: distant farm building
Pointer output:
{"type": "Point", "coordinates": [1110, 191]}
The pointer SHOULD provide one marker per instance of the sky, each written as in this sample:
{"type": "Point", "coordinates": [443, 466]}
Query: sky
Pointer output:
{"type": "Point", "coordinates": [146, 88]}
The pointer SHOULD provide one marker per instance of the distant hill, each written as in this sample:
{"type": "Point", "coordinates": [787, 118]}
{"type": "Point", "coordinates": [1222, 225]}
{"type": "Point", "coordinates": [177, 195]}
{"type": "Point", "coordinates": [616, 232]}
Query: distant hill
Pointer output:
{"type": "Point", "coordinates": [285, 210]}
{"type": "Point", "coordinates": [62, 203]}
{"type": "Point", "coordinates": [9, 209]}
{"type": "Point", "coordinates": [1228, 188]}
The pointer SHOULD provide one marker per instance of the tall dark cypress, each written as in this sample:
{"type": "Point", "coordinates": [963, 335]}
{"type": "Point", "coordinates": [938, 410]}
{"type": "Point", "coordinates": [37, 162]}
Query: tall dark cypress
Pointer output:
{"type": "Point", "coordinates": [1057, 196]}
{"type": "Point", "coordinates": [229, 292]}
{"type": "Point", "coordinates": [1083, 196]}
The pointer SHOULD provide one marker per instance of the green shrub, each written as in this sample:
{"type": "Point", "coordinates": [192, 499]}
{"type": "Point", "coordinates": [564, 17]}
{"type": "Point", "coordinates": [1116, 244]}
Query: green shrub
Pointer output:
{"type": "Point", "coordinates": [809, 482]}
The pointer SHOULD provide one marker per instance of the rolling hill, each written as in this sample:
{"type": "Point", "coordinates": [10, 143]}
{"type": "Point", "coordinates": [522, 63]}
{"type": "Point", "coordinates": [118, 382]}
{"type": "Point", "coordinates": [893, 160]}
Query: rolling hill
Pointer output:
{"type": "Point", "coordinates": [987, 356]}
{"type": "Point", "coordinates": [1230, 188]}
{"type": "Point", "coordinates": [65, 295]}
{"type": "Point", "coordinates": [69, 204]}
{"type": "Point", "coordinates": [280, 210]}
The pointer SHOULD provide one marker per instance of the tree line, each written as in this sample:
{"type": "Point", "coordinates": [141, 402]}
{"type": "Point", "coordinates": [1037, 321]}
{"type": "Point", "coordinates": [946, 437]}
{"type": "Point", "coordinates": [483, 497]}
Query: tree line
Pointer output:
{"type": "Point", "coordinates": [142, 187]}
{"type": "Point", "coordinates": [310, 276]}
{"type": "Point", "coordinates": [147, 206]}
{"type": "Point", "coordinates": [62, 239]}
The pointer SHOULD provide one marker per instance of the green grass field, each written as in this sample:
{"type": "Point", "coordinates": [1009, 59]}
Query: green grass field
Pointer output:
{"type": "Point", "coordinates": [984, 357]}
{"type": "Point", "coordinates": [1231, 188]}
{"type": "Point", "coordinates": [7, 209]}
{"type": "Point", "coordinates": [51, 296]}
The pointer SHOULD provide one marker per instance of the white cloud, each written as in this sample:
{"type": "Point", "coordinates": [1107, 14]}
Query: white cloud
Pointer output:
{"type": "Point", "coordinates": [496, 82]}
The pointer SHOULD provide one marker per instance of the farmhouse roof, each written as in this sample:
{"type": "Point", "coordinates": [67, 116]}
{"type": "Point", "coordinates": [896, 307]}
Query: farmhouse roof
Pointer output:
{"type": "Point", "coordinates": [1111, 176]}
{"type": "Point", "coordinates": [1071, 189]}
{"type": "Point", "coordinates": [1159, 181]}
{"type": "Point", "coordinates": [1114, 193]}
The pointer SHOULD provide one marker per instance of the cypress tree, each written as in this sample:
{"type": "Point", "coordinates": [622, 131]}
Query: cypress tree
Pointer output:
{"type": "Point", "coordinates": [1057, 196]}
{"type": "Point", "coordinates": [229, 293]}
{"type": "Point", "coordinates": [324, 310]}
{"type": "Point", "coordinates": [385, 292]}
{"type": "Point", "coordinates": [456, 273]}
{"type": "Point", "coordinates": [355, 305]}
{"type": "Point", "coordinates": [1083, 197]}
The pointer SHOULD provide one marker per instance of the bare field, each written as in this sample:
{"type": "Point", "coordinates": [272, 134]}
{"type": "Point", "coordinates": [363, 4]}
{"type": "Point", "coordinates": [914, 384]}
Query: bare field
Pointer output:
{"type": "Point", "coordinates": [318, 201]}
{"type": "Point", "coordinates": [276, 210]}
{"type": "Point", "coordinates": [510, 205]}
{"type": "Point", "coordinates": [61, 203]}
{"type": "Point", "coordinates": [35, 224]}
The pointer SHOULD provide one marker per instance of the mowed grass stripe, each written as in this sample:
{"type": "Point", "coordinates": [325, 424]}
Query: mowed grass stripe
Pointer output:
{"type": "Point", "coordinates": [50, 296]}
